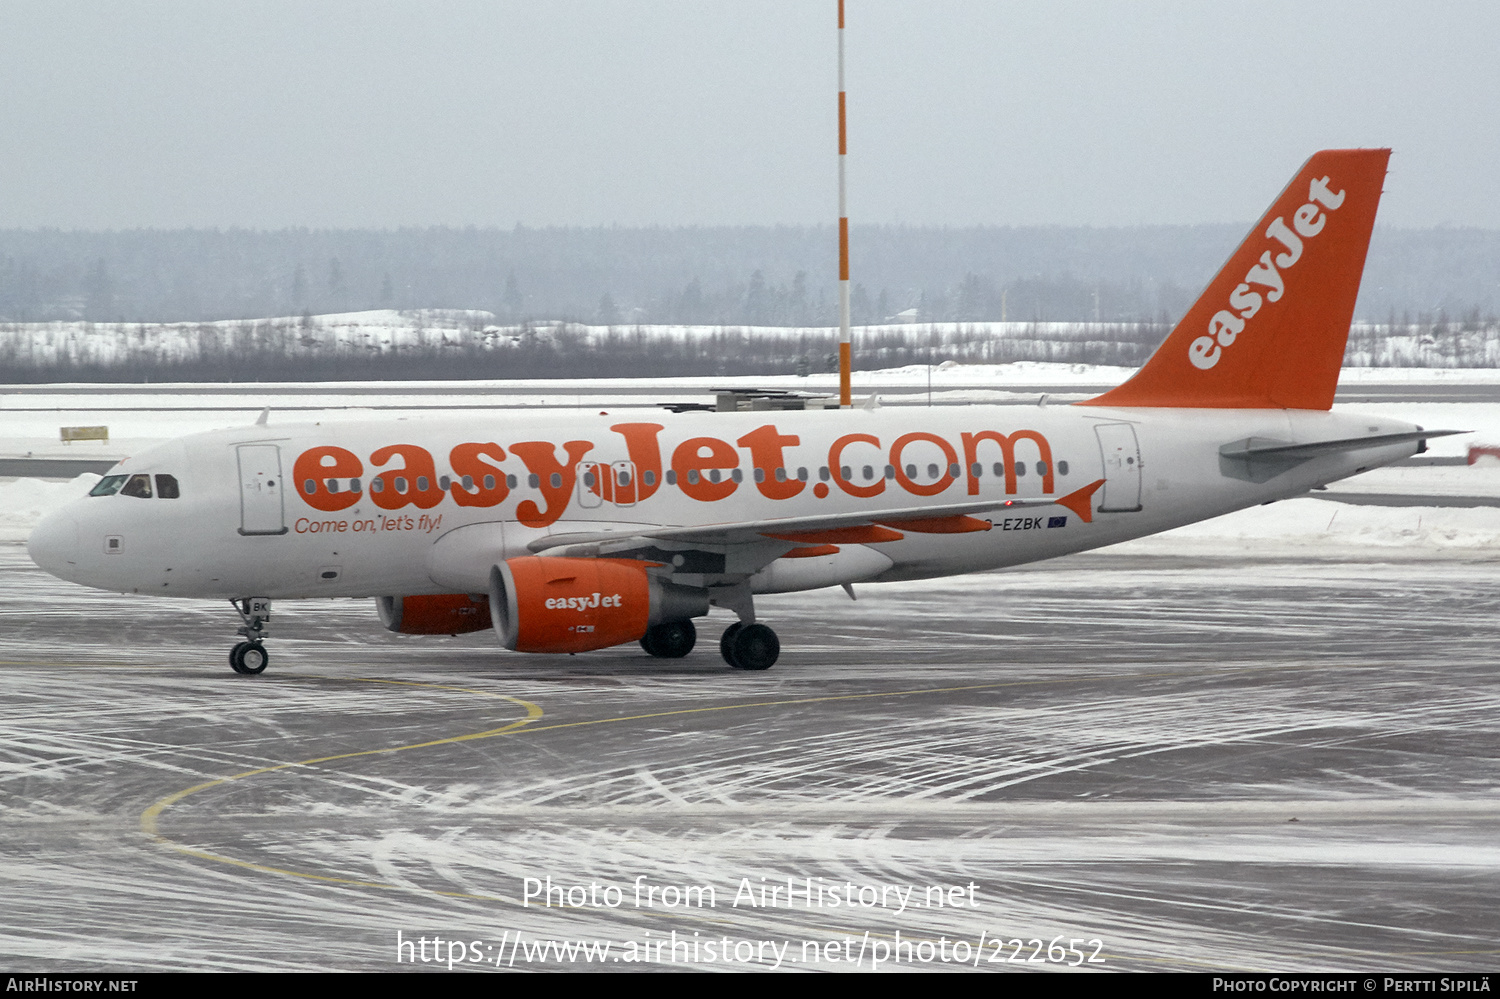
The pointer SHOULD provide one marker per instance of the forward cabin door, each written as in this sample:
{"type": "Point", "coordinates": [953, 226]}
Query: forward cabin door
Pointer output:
{"type": "Point", "coordinates": [261, 489]}
{"type": "Point", "coordinates": [1122, 467]}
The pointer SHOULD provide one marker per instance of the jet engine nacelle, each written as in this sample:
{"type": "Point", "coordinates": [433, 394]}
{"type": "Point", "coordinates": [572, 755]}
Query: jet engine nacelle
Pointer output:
{"type": "Point", "coordinates": [444, 614]}
{"type": "Point", "coordinates": [542, 604]}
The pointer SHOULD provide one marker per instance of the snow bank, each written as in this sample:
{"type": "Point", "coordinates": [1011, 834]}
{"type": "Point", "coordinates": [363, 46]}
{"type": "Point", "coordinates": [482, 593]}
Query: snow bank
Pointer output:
{"type": "Point", "coordinates": [1308, 527]}
{"type": "Point", "coordinates": [23, 502]}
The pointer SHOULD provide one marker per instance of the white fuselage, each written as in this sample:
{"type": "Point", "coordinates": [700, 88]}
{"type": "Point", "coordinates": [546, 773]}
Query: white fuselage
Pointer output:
{"type": "Point", "coordinates": [256, 515]}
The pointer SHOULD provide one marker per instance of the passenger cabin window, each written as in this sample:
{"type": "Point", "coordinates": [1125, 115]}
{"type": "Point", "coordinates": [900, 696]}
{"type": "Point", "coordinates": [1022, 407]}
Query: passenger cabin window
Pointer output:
{"type": "Point", "coordinates": [138, 486]}
{"type": "Point", "coordinates": [108, 486]}
{"type": "Point", "coordinates": [166, 486]}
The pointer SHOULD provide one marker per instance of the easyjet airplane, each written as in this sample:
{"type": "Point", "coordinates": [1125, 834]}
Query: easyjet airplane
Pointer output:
{"type": "Point", "coordinates": [567, 533]}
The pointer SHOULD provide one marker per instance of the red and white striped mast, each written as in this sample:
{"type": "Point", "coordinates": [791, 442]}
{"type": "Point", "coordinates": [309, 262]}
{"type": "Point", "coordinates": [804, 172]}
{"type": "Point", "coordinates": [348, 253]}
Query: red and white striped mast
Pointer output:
{"type": "Point", "coordinates": [845, 345]}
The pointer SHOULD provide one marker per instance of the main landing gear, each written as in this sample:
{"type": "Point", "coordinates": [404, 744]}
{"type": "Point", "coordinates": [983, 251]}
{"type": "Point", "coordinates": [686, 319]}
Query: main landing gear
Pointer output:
{"type": "Point", "coordinates": [250, 657]}
{"type": "Point", "coordinates": [744, 646]}
{"type": "Point", "coordinates": [670, 639]}
{"type": "Point", "coordinates": [749, 646]}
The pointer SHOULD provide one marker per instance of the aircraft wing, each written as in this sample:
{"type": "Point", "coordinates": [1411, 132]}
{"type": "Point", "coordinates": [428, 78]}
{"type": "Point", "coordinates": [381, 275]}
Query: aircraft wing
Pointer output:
{"type": "Point", "coordinates": [864, 527]}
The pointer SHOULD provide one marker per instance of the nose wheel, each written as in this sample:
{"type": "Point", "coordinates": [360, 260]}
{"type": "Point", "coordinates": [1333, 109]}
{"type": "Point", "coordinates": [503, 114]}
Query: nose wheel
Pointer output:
{"type": "Point", "coordinates": [249, 657]}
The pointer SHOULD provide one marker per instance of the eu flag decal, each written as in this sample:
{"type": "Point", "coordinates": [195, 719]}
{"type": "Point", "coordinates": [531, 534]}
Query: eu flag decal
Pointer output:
{"type": "Point", "coordinates": [1057, 521]}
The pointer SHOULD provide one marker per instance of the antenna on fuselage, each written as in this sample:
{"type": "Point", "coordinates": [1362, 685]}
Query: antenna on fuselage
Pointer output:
{"type": "Point", "coordinates": [846, 349]}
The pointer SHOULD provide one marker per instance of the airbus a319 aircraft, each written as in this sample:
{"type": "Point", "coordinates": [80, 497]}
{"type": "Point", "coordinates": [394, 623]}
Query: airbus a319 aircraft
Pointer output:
{"type": "Point", "coordinates": [568, 533]}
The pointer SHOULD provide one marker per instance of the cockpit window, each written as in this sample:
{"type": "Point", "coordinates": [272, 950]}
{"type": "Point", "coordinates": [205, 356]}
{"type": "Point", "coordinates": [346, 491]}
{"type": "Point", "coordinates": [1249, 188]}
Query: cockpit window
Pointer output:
{"type": "Point", "coordinates": [166, 486]}
{"type": "Point", "coordinates": [138, 486]}
{"type": "Point", "coordinates": [108, 486]}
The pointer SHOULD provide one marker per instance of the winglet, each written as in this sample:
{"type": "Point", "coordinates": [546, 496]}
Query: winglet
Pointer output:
{"type": "Point", "coordinates": [1081, 501]}
{"type": "Point", "coordinates": [1270, 329]}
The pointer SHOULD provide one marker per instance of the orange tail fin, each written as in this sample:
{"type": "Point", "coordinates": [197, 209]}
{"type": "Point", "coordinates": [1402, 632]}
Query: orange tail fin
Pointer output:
{"type": "Point", "coordinates": [1269, 331]}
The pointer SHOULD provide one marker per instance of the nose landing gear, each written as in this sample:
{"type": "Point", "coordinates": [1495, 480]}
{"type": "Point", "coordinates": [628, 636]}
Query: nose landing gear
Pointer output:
{"type": "Point", "coordinates": [250, 657]}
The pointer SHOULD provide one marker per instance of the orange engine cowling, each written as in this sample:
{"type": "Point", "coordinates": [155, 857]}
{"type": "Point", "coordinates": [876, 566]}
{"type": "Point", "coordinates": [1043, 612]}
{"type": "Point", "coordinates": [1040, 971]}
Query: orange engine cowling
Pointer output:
{"type": "Point", "coordinates": [444, 614]}
{"type": "Point", "coordinates": [542, 604]}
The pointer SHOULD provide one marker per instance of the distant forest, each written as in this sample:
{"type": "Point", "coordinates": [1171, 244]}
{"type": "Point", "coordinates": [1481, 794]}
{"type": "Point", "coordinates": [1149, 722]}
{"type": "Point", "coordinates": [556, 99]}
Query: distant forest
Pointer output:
{"type": "Point", "coordinates": [726, 276]}
{"type": "Point", "coordinates": [467, 344]}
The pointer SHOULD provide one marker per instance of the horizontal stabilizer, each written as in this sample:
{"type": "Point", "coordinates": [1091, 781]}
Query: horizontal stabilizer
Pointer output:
{"type": "Point", "coordinates": [1255, 448]}
{"type": "Point", "coordinates": [1261, 459]}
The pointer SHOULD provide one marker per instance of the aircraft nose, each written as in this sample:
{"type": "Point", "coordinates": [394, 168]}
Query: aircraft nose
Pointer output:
{"type": "Point", "coordinates": [54, 543]}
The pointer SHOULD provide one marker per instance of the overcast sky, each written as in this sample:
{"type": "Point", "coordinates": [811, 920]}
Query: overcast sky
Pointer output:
{"type": "Point", "coordinates": [379, 114]}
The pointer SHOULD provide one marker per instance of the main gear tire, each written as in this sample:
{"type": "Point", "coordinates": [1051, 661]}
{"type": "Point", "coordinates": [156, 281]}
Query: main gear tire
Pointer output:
{"type": "Point", "coordinates": [754, 647]}
{"type": "Point", "coordinates": [670, 639]}
{"type": "Point", "coordinates": [726, 643]}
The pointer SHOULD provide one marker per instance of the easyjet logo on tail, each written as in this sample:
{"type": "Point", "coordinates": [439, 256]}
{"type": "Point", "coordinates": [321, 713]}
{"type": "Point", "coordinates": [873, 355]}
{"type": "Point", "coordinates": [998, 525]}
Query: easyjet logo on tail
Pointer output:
{"type": "Point", "coordinates": [1245, 301]}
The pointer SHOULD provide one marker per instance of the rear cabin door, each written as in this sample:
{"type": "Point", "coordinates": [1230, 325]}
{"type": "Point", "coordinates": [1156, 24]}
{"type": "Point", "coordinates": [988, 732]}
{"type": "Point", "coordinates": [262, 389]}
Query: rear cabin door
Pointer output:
{"type": "Point", "coordinates": [1122, 467]}
{"type": "Point", "coordinates": [261, 489]}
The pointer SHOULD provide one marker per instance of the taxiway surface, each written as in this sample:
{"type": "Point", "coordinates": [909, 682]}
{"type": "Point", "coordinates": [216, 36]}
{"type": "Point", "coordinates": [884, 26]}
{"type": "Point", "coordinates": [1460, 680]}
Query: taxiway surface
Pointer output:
{"type": "Point", "coordinates": [1201, 763]}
